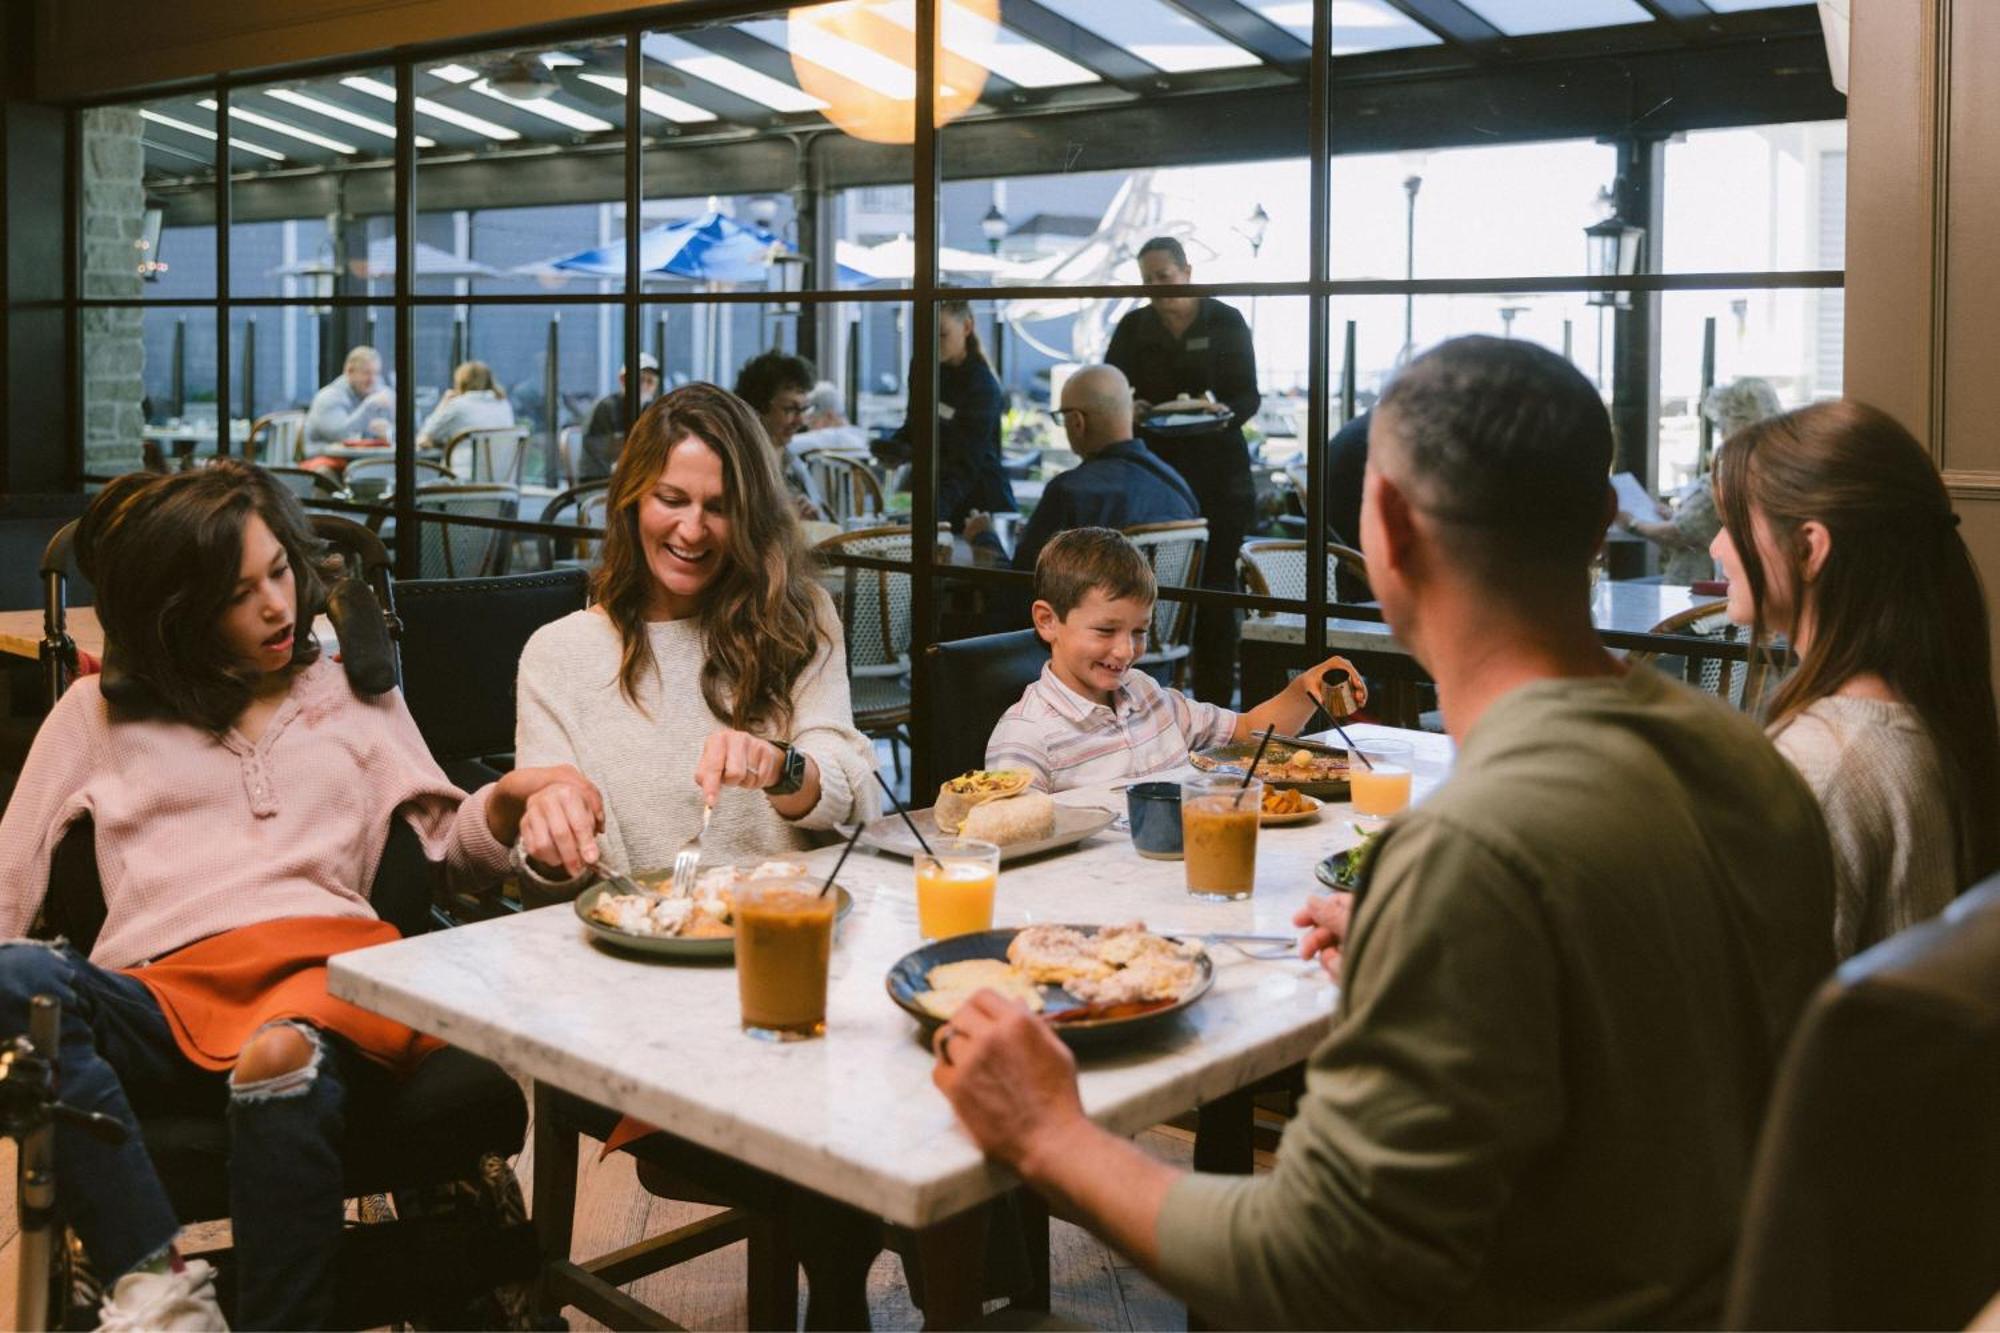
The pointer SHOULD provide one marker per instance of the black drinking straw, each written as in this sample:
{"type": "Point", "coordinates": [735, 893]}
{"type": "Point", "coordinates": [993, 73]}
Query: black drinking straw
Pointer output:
{"type": "Point", "coordinates": [852, 838]}
{"type": "Point", "coordinates": [1248, 773]}
{"type": "Point", "coordinates": [908, 822]}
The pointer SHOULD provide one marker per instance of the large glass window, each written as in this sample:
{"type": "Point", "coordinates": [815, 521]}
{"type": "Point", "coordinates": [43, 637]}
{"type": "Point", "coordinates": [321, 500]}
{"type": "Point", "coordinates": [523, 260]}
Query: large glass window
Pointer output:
{"type": "Point", "coordinates": [1570, 172]}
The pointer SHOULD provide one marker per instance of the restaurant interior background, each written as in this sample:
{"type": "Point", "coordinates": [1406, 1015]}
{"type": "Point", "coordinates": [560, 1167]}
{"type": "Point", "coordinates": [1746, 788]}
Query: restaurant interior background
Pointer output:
{"type": "Point", "coordinates": [207, 203]}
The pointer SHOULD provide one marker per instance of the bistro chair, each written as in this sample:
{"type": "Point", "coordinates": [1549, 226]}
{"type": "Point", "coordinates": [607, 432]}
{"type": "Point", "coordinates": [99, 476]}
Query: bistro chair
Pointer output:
{"type": "Point", "coordinates": [843, 486]}
{"type": "Point", "coordinates": [1874, 1201]}
{"type": "Point", "coordinates": [1288, 500]}
{"type": "Point", "coordinates": [459, 641]}
{"type": "Point", "coordinates": [876, 611]}
{"type": "Point", "coordinates": [1174, 550]}
{"type": "Point", "coordinates": [308, 484]}
{"type": "Point", "coordinates": [493, 454]}
{"type": "Point", "coordinates": [1277, 568]}
{"type": "Point", "coordinates": [1741, 684]}
{"type": "Point", "coordinates": [456, 550]}
{"type": "Point", "coordinates": [585, 506]}
{"type": "Point", "coordinates": [375, 478]}
{"type": "Point", "coordinates": [569, 454]}
{"type": "Point", "coordinates": [983, 678]}
{"type": "Point", "coordinates": [277, 438]}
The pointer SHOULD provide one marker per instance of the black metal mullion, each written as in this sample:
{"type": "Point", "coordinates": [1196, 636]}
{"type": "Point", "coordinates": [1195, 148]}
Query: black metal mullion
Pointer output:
{"type": "Point", "coordinates": [74, 473]}
{"type": "Point", "coordinates": [1692, 13]}
{"type": "Point", "coordinates": [224, 371]}
{"type": "Point", "coordinates": [923, 386]}
{"type": "Point", "coordinates": [1319, 221]}
{"type": "Point", "coordinates": [635, 200]}
{"type": "Point", "coordinates": [409, 537]}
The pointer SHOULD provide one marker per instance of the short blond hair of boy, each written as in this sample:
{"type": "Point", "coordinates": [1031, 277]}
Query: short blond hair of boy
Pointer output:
{"type": "Point", "coordinates": [1081, 559]}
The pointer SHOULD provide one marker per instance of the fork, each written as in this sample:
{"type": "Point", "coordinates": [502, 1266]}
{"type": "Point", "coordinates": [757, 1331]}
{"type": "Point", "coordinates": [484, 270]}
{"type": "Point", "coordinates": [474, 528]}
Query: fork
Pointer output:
{"type": "Point", "coordinates": [688, 859]}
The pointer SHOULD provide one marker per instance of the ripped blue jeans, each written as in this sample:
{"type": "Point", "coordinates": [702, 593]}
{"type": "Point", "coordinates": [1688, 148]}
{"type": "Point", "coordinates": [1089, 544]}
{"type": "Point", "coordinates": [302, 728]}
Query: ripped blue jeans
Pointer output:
{"type": "Point", "coordinates": [118, 1055]}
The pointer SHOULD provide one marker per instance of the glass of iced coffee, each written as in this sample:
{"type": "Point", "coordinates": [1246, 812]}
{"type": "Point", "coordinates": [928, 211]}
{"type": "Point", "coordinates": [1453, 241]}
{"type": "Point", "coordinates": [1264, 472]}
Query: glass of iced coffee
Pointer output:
{"type": "Point", "coordinates": [784, 939]}
{"type": "Point", "coordinates": [1219, 817]}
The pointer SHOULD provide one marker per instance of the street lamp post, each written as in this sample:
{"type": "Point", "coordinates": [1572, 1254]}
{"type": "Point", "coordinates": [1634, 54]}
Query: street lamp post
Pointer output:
{"type": "Point", "coordinates": [1253, 229]}
{"type": "Point", "coordinates": [993, 227]}
{"type": "Point", "coordinates": [1411, 184]}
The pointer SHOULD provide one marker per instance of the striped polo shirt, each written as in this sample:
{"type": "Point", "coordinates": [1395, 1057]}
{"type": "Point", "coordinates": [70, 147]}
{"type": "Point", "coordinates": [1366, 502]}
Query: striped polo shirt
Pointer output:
{"type": "Point", "coordinates": [1066, 740]}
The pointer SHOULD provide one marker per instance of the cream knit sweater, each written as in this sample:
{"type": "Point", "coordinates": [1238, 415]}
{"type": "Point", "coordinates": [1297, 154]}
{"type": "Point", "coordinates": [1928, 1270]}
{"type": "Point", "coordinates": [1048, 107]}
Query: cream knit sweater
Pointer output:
{"type": "Point", "coordinates": [570, 711]}
{"type": "Point", "coordinates": [1880, 783]}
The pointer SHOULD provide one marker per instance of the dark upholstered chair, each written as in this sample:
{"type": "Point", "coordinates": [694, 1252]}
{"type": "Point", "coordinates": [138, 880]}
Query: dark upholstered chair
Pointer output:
{"type": "Point", "coordinates": [436, 1128]}
{"type": "Point", "coordinates": [460, 642]}
{"type": "Point", "coordinates": [973, 682]}
{"type": "Point", "coordinates": [1876, 1197]}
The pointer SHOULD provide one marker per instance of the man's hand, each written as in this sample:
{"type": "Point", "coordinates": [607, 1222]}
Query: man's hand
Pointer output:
{"type": "Point", "coordinates": [554, 812]}
{"type": "Point", "coordinates": [1141, 409]}
{"type": "Point", "coordinates": [1325, 920]}
{"type": "Point", "coordinates": [1012, 1082]}
{"type": "Point", "coordinates": [737, 759]}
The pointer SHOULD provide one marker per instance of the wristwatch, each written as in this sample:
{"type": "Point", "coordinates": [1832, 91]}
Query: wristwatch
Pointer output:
{"type": "Point", "coordinates": [791, 774]}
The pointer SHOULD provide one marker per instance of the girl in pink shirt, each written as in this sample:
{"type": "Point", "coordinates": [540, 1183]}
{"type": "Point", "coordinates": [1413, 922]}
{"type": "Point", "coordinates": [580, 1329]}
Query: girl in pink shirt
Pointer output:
{"type": "Point", "coordinates": [241, 794]}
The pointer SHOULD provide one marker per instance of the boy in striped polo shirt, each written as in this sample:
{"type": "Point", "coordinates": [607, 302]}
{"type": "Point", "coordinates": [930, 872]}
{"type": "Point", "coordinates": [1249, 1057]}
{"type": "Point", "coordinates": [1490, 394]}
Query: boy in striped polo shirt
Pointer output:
{"type": "Point", "coordinates": [1091, 718]}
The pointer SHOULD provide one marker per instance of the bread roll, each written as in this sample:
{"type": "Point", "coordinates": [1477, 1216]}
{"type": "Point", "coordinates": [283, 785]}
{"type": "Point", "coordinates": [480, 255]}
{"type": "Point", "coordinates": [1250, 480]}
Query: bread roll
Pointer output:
{"type": "Point", "coordinates": [959, 796]}
{"type": "Point", "coordinates": [1028, 817]}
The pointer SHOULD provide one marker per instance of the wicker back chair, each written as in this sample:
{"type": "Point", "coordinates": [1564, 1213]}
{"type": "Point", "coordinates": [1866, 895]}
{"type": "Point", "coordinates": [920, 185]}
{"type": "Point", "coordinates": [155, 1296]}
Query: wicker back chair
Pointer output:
{"type": "Point", "coordinates": [1277, 568]}
{"type": "Point", "coordinates": [1175, 551]}
{"type": "Point", "coordinates": [842, 485]}
{"type": "Point", "coordinates": [459, 551]}
{"type": "Point", "coordinates": [585, 505]}
{"type": "Point", "coordinates": [491, 454]}
{"type": "Point", "coordinates": [875, 611]}
{"type": "Point", "coordinates": [375, 478]}
{"type": "Point", "coordinates": [308, 484]}
{"type": "Point", "coordinates": [1741, 684]}
{"type": "Point", "coordinates": [277, 437]}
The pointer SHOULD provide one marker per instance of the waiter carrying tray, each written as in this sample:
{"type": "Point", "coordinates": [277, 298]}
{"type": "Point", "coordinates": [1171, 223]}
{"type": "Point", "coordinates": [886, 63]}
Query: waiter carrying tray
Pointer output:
{"type": "Point", "coordinates": [1177, 348]}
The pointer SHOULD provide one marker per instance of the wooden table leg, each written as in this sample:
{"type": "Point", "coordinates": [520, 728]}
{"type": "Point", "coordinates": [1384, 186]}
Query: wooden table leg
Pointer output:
{"type": "Point", "coordinates": [556, 1156]}
{"type": "Point", "coordinates": [953, 1255]}
{"type": "Point", "coordinates": [773, 1274]}
{"type": "Point", "coordinates": [1033, 1212]}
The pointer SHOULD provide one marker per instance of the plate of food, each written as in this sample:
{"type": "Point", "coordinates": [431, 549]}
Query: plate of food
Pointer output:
{"type": "Point", "coordinates": [995, 805]}
{"type": "Point", "coordinates": [1305, 766]}
{"type": "Point", "coordinates": [1288, 805]}
{"type": "Point", "coordinates": [1092, 983]}
{"type": "Point", "coordinates": [1343, 870]}
{"type": "Point", "coordinates": [698, 925]}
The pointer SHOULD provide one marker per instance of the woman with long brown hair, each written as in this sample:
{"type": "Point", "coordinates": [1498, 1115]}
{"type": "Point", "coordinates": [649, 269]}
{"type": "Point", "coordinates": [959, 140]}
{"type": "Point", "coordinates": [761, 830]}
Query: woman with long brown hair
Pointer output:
{"type": "Point", "coordinates": [712, 670]}
{"type": "Point", "coordinates": [1838, 534]}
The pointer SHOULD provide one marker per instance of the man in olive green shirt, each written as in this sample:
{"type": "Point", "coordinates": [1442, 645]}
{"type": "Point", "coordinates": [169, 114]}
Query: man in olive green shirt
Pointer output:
{"type": "Point", "coordinates": [1569, 978]}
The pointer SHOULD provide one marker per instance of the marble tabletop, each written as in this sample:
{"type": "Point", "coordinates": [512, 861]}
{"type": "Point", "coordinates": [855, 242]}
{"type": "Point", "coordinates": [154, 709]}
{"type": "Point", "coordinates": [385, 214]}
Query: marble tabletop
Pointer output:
{"type": "Point", "coordinates": [855, 1115]}
{"type": "Point", "coordinates": [1617, 607]}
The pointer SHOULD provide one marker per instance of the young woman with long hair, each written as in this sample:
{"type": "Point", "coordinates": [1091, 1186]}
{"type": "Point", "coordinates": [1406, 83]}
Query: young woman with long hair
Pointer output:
{"type": "Point", "coordinates": [1838, 534]}
{"type": "Point", "coordinates": [241, 793]}
{"type": "Point", "coordinates": [970, 403]}
{"type": "Point", "coordinates": [712, 670]}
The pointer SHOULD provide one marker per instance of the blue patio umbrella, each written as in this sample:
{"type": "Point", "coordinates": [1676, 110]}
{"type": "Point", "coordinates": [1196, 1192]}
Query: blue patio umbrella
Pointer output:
{"type": "Point", "coordinates": [707, 248]}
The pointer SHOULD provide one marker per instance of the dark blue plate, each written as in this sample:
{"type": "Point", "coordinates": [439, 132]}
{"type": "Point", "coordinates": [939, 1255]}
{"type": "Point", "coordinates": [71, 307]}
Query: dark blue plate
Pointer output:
{"type": "Point", "coordinates": [906, 981]}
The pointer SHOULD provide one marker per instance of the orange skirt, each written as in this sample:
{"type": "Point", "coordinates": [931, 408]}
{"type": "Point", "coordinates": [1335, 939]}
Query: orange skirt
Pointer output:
{"type": "Point", "coordinates": [216, 993]}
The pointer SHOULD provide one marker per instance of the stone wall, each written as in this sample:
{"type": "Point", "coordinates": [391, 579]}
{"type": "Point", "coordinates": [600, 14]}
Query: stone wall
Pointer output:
{"type": "Point", "coordinates": [114, 345]}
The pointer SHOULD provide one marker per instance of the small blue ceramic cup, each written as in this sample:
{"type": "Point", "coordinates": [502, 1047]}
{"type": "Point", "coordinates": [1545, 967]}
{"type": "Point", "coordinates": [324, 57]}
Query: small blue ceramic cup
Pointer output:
{"type": "Point", "coordinates": [1154, 811]}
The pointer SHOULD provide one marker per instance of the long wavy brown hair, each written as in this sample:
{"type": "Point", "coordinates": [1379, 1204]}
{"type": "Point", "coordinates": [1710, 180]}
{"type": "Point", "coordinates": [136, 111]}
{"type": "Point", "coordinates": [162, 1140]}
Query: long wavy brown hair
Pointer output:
{"type": "Point", "coordinates": [758, 627]}
{"type": "Point", "coordinates": [1897, 595]}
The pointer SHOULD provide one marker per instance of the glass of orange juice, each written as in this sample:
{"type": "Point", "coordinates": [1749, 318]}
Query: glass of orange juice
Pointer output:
{"type": "Point", "coordinates": [955, 887]}
{"type": "Point", "coordinates": [1379, 787]}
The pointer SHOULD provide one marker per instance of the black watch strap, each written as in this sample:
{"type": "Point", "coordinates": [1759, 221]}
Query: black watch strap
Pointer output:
{"type": "Point", "coordinates": [791, 776]}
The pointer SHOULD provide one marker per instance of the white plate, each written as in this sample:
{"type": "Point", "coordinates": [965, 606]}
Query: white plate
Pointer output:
{"type": "Point", "coordinates": [1305, 816]}
{"type": "Point", "coordinates": [1074, 823]}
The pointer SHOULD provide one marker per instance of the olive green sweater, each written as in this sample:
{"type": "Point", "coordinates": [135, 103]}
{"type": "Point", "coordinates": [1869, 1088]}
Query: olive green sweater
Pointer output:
{"type": "Point", "coordinates": [1566, 991]}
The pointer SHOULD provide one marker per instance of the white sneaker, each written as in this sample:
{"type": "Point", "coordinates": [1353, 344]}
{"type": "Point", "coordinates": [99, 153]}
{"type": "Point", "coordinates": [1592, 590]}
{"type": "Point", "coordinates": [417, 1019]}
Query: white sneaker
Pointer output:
{"type": "Point", "coordinates": [182, 1302]}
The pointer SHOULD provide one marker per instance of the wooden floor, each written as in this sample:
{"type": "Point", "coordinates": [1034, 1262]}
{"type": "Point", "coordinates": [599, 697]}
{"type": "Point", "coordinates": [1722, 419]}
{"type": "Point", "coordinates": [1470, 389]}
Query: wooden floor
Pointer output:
{"type": "Point", "coordinates": [1090, 1284]}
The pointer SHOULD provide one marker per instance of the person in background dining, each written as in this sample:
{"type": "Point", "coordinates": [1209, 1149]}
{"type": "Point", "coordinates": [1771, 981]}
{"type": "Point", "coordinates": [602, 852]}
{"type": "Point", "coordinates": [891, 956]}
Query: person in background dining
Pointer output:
{"type": "Point", "coordinates": [711, 668]}
{"type": "Point", "coordinates": [354, 404]}
{"type": "Point", "coordinates": [826, 410]}
{"type": "Point", "coordinates": [827, 426]}
{"type": "Point", "coordinates": [1684, 531]}
{"type": "Point", "coordinates": [1180, 345]}
{"type": "Point", "coordinates": [473, 402]}
{"type": "Point", "coordinates": [1119, 484]}
{"type": "Point", "coordinates": [239, 790]}
{"type": "Point", "coordinates": [1566, 981]}
{"type": "Point", "coordinates": [778, 387]}
{"type": "Point", "coordinates": [1838, 534]}
{"type": "Point", "coordinates": [604, 433]}
{"type": "Point", "coordinates": [969, 407]}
